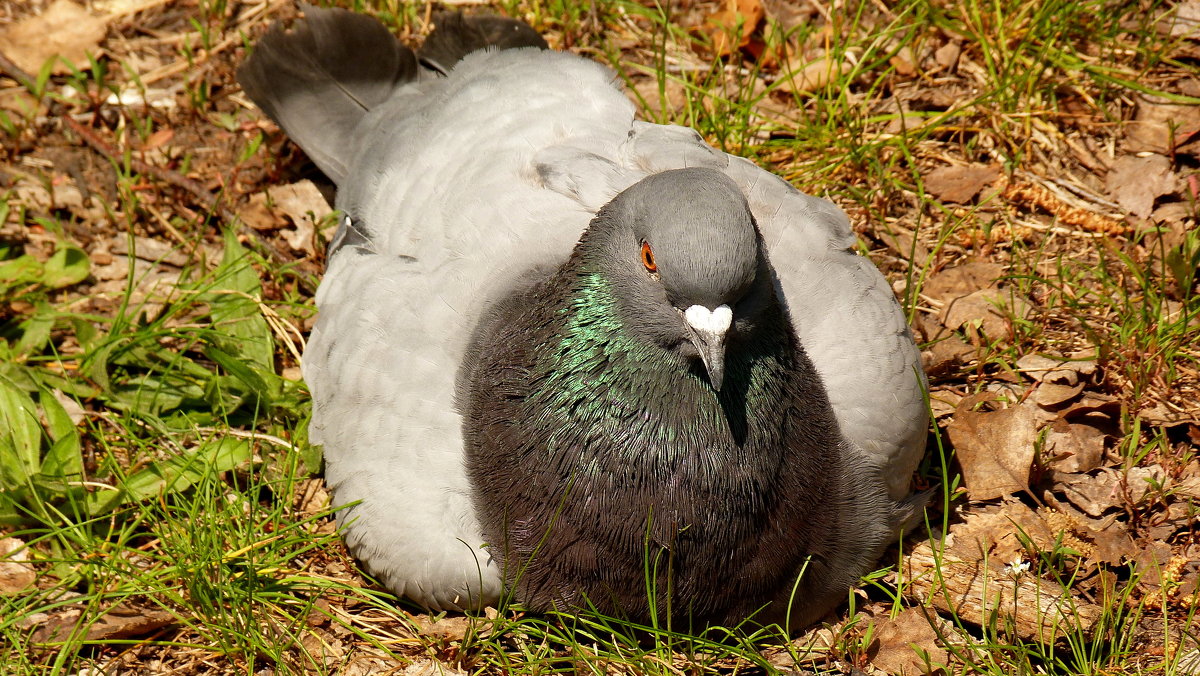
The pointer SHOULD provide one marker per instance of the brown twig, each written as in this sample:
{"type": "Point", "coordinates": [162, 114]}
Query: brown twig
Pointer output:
{"type": "Point", "coordinates": [11, 69]}
{"type": "Point", "coordinates": [206, 198]}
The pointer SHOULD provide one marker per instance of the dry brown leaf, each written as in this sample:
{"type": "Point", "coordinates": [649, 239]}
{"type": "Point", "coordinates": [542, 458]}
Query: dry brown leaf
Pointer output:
{"type": "Point", "coordinates": [1049, 395]}
{"type": "Point", "coordinates": [980, 573]}
{"type": "Point", "coordinates": [1184, 22]}
{"type": "Point", "coordinates": [120, 622]}
{"type": "Point", "coordinates": [1060, 370]}
{"type": "Point", "coordinates": [301, 203]}
{"type": "Point", "coordinates": [995, 449]}
{"type": "Point", "coordinates": [944, 401]}
{"type": "Point", "coordinates": [159, 138]}
{"type": "Point", "coordinates": [1162, 127]}
{"type": "Point", "coordinates": [1176, 517]}
{"type": "Point", "coordinates": [150, 249]}
{"type": "Point", "coordinates": [16, 575]}
{"type": "Point", "coordinates": [1108, 489]}
{"type": "Point", "coordinates": [671, 99]}
{"type": "Point", "coordinates": [788, 14]}
{"type": "Point", "coordinates": [945, 354]}
{"type": "Point", "coordinates": [1074, 448]}
{"type": "Point", "coordinates": [960, 184]}
{"type": "Point", "coordinates": [71, 407]}
{"type": "Point", "coordinates": [1163, 415]}
{"type": "Point", "coordinates": [304, 204]}
{"type": "Point", "coordinates": [987, 310]}
{"type": "Point", "coordinates": [425, 666]}
{"type": "Point", "coordinates": [258, 215]}
{"type": "Point", "coordinates": [64, 29]}
{"type": "Point", "coordinates": [1135, 182]}
{"type": "Point", "coordinates": [813, 75]}
{"type": "Point", "coordinates": [950, 283]}
{"type": "Point", "coordinates": [947, 55]}
{"type": "Point", "coordinates": [1150, 560]}
{"type": "Point", "coordinates": [449, 627]}
{"type": "Point", "coordinates": [1094, 494]}
{"type": "Point", "coordinates": [731, 27]}
{"type": "Point", "coordinates": [904, 646]}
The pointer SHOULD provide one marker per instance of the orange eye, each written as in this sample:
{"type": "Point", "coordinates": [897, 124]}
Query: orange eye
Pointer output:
{"type": "Point", "coordinates": [648, 258]}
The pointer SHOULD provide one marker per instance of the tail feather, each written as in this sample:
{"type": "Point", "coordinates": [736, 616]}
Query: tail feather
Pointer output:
{"type": "Point", "coordinates": [455, 36]}
{"type": "Point", "coordinates": [319, 79]}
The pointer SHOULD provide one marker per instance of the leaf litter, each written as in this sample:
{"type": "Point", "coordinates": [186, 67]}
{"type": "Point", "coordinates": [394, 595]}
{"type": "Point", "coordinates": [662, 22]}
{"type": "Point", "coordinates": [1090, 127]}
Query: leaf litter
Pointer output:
{"type": "Point", "coordinates": [1073, 464]}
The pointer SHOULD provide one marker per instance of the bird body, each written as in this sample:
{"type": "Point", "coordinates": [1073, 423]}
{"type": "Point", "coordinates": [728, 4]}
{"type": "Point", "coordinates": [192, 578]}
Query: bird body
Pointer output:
{"type": "Point", "coordinates": [510, 396]}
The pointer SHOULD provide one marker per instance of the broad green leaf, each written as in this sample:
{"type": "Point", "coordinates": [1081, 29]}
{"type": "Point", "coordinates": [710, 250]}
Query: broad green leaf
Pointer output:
{"type": "Point", "coordinates": [225, 394]}
{"type": "Point", "coordinates": [234, 303]}
{"type": "Point", "coordinates": [21, 270]}
{"type": "Point", "coordinates": [151, 395]}
{"type": "Point", "coordinates": [10, 513]}
{"type": "Point", "coordinates": [20, 436]}
{"type": "Point", "coordinates": [64, 459]}
{"type": "Point", "coordinates": [35, 331]}
{"type": "Point", "coordinates": [175, 474]}
{"type": "Point", "coordinates": [238, 369]}
{"type": "Point", "coordinates": [69, 265]}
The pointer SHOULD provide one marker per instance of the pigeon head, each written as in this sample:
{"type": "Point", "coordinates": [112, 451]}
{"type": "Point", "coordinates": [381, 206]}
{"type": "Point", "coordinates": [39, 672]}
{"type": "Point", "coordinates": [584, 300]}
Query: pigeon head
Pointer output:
{"type": "Point", "coordinates": [683, 253]}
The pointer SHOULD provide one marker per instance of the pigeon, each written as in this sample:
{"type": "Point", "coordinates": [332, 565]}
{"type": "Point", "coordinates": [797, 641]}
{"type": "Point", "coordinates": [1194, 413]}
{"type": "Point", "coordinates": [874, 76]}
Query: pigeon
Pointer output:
{"type": "Point", "coordinates": [578, 360]}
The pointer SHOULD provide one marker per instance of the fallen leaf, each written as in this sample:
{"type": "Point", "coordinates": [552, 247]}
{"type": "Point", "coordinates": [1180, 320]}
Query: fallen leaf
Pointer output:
{"type": "Point", "coordinates": [944, 401]}
{"type": "Point", "coordinates": [788, 15]}
{"type": "Point", "coordinates": [1074, 448]}
{"type": "Point", "coordinates": [995, 449]}
{"type": "Point", "coordinates": [1135, 182]}
{"type": "Point", "coordinates": [672, 98]}
{"type": "Point", "coordinates": [987, 310]}
{"type": "Point", "coordinates": [730, 27]}
{"type": "Point", "coordinates": [1184, 22]}
{"type": "Point", "coordinates": [947, 55]}
{"type": "Point", "coordinates": [1164, 524]}
{"type": "Point", "coordinates": [944, 350]}
{"type": "Point", "coordinates": [1149, 561]}
{"type": "Point", "coordinates": [64, 29]}
{"type": "Point", "coordinates": [324, 646]}
{"type": "Point", "coordinates": [1061, 370]}
{"type": "Point", "coordinates": [75, 412]}
{"type": "Point", "coordinates": [119, 622]}
{"type": "Point", "coordinates": [945, 354]}
{"type": "Point", "coordinates": [16, 575]}
{"type": "Point", "coordinates": [426, 666]}
{"type": "Point", "coordinates": [449, 627]}
{"type": "Point", "coordinates": [159, 138]}
{"type": "Point", "coordinates": [301, 203]}
{"type": "Point", "coordinates": [1162, 415]}
{"type": "Point", "coordinates": [981, 573]}
{"type": "Point", "coordinates": [151, 250]}
{"type": "Point", "coordinates": [908, 644]}
{"type": "Point", "coordinates": [950, 283]}
{"type": "Point", "coordinates": [813, 75]}
{"type": "Point", "coordinates": [1160, 127]}
{"type": "Point", "coordinates": [1052, 394]}
{"type": "Point", "coordinates": [960, 184]}
{"type": "Point", "coordinates": [1108, 489]}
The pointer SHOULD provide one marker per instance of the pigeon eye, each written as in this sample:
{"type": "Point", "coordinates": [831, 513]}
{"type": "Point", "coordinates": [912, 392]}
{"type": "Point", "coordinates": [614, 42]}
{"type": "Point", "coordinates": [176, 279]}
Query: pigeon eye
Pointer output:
{"type": "Point", "coordinates": [648, 258]}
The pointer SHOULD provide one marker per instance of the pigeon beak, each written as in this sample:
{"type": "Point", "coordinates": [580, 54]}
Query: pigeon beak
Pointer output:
{"type": "Point", "coordinates": [708, 335]}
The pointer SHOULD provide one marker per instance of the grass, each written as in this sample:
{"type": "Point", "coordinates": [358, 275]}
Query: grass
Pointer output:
{"type": "Point", "coordinates": [153, 446]}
